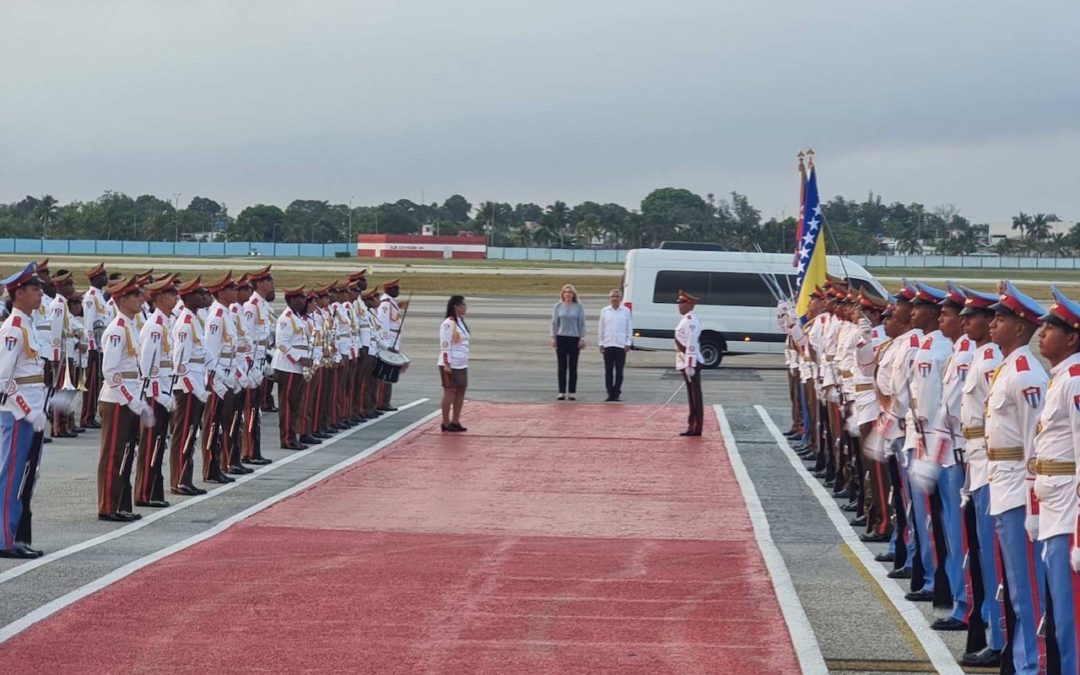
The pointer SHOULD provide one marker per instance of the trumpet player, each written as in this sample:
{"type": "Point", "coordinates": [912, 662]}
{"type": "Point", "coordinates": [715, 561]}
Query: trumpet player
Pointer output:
{"type": "Point", "coordinates": [291, 362]}
{"type": "Point", "coordinates": [61, 354]}
{"type": "Point", "coordinates": [123, 404]}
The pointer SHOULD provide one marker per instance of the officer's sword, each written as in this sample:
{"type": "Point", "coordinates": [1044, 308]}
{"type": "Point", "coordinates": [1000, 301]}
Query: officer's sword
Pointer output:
{"type": "Point", "coordinates": [670, 399]}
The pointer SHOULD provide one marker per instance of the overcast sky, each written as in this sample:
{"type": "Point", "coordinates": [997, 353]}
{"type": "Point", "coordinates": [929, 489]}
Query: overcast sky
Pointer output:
{"type": "Point", "coordinates": [975, 103]}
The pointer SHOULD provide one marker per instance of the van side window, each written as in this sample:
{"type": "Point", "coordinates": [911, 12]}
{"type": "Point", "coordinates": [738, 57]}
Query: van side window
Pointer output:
{"type": "Point", "coordinates": [715, 288]}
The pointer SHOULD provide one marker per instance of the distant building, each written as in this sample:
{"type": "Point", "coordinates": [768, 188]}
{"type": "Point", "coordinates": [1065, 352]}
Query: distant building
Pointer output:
{"type": "Point", "coordinates": [420, 246]}
{"type": "Point", "coordinates": [999, 231]}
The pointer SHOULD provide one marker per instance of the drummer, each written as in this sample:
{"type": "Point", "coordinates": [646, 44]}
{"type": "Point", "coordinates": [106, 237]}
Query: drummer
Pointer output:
{"type": "Point", "coordinates": [390, 312]}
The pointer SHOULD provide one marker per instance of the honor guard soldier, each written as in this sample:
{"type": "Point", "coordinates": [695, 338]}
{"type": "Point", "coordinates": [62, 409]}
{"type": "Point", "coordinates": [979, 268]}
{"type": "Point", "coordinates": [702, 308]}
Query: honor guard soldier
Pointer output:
{"type": "Point", "coordinates": [391, 313]}
{"type": "Point", "coordinates": [245, 373]}
{"type": "Point", "coordinates": [311, 320]}
{"type": "Point", "coordinates": [218, 420]}
{"type": "Point", "coordinates": [376, 345]}
{"type": "Point", "coordinates": [156, 350]}
{"type": "Point", "coordinates": [189, 390]}
{"type": "Point", "coordinates": [986, 357]}
{"type": "Point", "coordinates": [1012, 410]}
{"type": "Point", "coordinates": [96, 316]}
{"type": "Point", "coordinates": [357, 285]}
{"type": "Point", "coordinates": [260, 320]}
{"type": "Point", "coordinates": [22, 411]}
{"type": "Point", "coordinates": [292, 358]}
{"type": "Point", "coordinates": [62, 351]}
{"type": "Point", "coordinates": [43, 326]}
{"type": "Point", "coordinates": [123, 403]}
{"type": "Point", "coordinates": [687, 362]}
{"type": "Point", "coordinates": [1057, 447]}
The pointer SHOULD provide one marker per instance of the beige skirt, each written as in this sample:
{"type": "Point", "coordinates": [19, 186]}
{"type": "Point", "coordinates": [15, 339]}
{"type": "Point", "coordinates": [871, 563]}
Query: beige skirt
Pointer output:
{"type": "Point", "coordinates": [458, 378]}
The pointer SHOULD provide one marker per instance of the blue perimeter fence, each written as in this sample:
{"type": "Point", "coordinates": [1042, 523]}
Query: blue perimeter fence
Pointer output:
{"type": "Point", "coordinates": [195, 249]}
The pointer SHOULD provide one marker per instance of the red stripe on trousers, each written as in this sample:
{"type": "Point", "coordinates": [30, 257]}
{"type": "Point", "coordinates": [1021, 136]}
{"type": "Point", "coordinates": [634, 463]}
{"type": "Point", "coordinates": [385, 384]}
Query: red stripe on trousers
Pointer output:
{"type": "Point", "coordinates": [1035, 596]}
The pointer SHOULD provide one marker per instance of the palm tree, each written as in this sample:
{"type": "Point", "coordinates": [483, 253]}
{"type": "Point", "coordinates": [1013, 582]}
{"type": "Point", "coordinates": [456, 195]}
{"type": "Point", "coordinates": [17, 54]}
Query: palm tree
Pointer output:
{"type": "Point", "coordinates": [1038, 228]}
{"type": "Point", "coordinates": [908, 243]}
{"type": "Point", "coordinates": [1058, 245]}
{"type": "Point", "coordinates": [44, 212]}
{"type": "Point", "coordinates": [1021, 222]}
{"type": "Point", "coordinates": [1004, 246]}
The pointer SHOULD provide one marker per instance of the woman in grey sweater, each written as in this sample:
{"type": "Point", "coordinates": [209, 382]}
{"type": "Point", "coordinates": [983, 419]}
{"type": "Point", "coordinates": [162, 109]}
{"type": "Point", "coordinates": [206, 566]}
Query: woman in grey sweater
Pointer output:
{"type": "Point", "coordinates": [567, 339]}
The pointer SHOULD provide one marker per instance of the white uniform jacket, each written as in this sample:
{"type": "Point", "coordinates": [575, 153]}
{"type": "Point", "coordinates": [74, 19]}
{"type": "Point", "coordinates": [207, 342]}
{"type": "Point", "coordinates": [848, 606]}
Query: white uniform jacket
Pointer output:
{"type": "Point", "coordinates": [984, 362]}
{"type": "Point", "coordinates": [1057, 449]}
{"type": "Point", "coordinates": [22, 370]}
{"type": "Point", "coordinates": [687, 347]}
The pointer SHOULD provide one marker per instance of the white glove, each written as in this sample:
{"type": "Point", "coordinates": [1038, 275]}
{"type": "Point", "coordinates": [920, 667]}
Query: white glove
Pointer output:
{"type": "Point", "coordinates": [690, 373]}
{"type": "Point", "coordinates": [201, 393]}
{"type": "Point", "coordinates": [256, 378]}
{"type": "Point", "coordinates": [147, 416]}
{"type": "Point", "coordinates": [220, 388]}
{"type": "Point", "coordinates": [924, 474]}
{"type": "Point", "coordinates": [965, 497]}
{"type": "Point", "coordinates": [268, 370]}
{"type": "Point", "coordinates": [167, 402]}
{"type": "Point", "coordinates": [137, 406]}
{"type": "Point", "coordinates": [1031, 524]}
{"type": "Point", "coordinates": [242, 380]}
{"type": "Point", "coordinates": [1075, 558]}
{"type": "Point", "coordinates": [37, 419]}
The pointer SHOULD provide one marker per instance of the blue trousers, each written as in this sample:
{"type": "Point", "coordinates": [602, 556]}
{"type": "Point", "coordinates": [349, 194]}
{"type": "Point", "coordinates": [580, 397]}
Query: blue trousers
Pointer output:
{"type": "Point", "coordinates": [1064, 587]}
{"type": "Point", "coordinates": [15, 439]}
{"type": "Point", "coordinates": [991, 609]}
{"type": "Point", "coordinates": [950, 481]}
{"type": "Point", "coordinates": [804, 407]}
{"type": "Point", "coordinates": [1024, 574]}
{"type": "Point", "coordinates": [919, 524]}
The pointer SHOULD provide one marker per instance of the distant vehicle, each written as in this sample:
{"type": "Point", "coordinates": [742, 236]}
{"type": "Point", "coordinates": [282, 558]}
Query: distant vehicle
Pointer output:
{"type": "Point", "coordinates": [737, 311]}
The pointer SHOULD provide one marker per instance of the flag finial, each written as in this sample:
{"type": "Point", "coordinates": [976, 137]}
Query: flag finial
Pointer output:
{"type": "Point", "coordinates": [810, 157]}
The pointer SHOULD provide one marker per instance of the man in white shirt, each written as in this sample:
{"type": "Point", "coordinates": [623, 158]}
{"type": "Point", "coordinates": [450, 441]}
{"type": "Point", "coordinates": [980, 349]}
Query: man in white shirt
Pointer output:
{"type": "Point", "coordinates": [615, 337]}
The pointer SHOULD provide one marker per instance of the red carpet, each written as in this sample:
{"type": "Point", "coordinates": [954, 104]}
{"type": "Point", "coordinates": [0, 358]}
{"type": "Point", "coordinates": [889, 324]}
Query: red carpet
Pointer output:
{"type": "Point", "coordinates": [548, 539]}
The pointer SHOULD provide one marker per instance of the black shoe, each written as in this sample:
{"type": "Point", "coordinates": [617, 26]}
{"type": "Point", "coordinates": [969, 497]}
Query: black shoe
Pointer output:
{"type": "Point", "coordinates": [859, 522]}
{"type": "Point", "coordinates": [271, 409]}
{"type": "Point", "coordinates": [920, 596]}
{"type": "Point", "coordinates": [153, 504]}
{"type": "Point", "coordinates": [820, 474]}
{"type": "Point", "coordinates": [93, 424]}
{"type": "Point", "coordinates": [609, 399]}
{"type": "Point", "coordinates": [310, 440]}
{"type": "Point", "coordinates": [387, 408]}
{"type": "Point", "coordinates": [454, 426]}
{"type": "Point", "coordinates": [133, 516]}
{"type": "Point", "coordinates": [37, 553]}
{"type": "Point", "coordinates": [571, 397]}
{"type": "Point", "coordinates": [829, 482]}
{"type": "Point", "coordinates": [118, 517]}
{"type": "Point", "coordinates": [66, 434]}
{"type": "Point", "coordinates": [850, 507]}
{"type": "Point", "coordinates": [259, 461]}
{"type": "Point", "coordinates": [321, 436]}
{"type": "Point", "coordinates": [445, 427]}
{"type": "Point", "coordinates": [875, 538]}
{"type": "Point", "coordinates": [186, 490]}
{"type": "Point", "coordinates": [46, 439]}
{"type": "Point", "coordinates": [79, 430]}
{"type": "Point", "coordinates": [984, 658]}
{"type": "Point", "coordinates": [198, 491]}
{"type": "Point", "coordinates": [949, 624]}
{"type": "Point", "coordinates": [221, 479]}
{"type": "Point", "coordinates": [22, 552]}
{"type": "Point", "coordinates": [690, 433]}
{"type": "Point", "coordinates": [293, 446]}
{"type": "Point", "coordinates": [361, 420]}
{"type": "Point", "coordinates": [238, 470]}
{"type": "Point", "coordinates": [902, 573]}
{"type": "Point", "coordinates": [883, 557]}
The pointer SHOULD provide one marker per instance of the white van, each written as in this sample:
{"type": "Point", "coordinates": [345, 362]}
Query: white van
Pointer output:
{"type": "Point", "coordinates": [736, 310]}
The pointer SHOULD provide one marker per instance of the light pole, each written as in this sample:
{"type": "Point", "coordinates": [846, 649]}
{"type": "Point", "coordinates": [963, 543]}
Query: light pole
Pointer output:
{"type": "Point", "coordinates": [176, 217]}
{"type": "Point", "coordinates": [350, 241]}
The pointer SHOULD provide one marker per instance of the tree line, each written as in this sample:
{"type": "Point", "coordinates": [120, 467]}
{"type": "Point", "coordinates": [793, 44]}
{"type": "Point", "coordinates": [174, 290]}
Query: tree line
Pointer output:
{"type": "Point", "coordinates": [664, 214]}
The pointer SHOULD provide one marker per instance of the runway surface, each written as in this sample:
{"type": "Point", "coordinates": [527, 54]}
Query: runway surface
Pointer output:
{"type": "Point", "coordinates": [537, 542]}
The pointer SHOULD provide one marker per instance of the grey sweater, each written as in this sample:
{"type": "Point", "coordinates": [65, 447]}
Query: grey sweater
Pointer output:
{"type": "Point", "coordinates": [568, 321]}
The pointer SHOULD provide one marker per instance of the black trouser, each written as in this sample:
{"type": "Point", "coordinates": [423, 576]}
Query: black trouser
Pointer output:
{"type": "Point", "coordinates": [614, 360]}
{"type": "Point", "coordinates": [696, 419]}
{"type": "Point", "coordinates": [24, 530]}
{"type": "Point", "coordinates": [566, 349]}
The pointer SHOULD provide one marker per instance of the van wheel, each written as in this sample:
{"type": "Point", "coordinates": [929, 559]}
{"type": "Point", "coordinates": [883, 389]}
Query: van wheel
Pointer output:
{"type": "Point", "coordinates": [712, 352]}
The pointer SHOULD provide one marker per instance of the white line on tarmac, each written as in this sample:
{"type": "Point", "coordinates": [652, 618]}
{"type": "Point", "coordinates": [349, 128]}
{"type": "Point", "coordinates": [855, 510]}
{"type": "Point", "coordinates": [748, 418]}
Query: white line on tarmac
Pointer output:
{"type": "Point", "coordinates": [48, 609]}
{"type": "Point", "coordinates": [807, 648]}
{"type": "Point", "coordinates": [940, 656]}
{"type": "Point", "coordinates": [15, 572]}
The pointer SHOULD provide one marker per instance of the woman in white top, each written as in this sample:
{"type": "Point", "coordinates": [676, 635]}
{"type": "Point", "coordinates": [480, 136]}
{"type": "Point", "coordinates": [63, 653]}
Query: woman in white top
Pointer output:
{"type": "Point", "coordinates": [453, 362]}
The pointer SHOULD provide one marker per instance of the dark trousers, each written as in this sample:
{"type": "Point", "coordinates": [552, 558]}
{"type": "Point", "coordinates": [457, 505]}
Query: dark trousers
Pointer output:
{"type": "Point", "coordinates": [217, 425]}
{"type": "Point", "coordinates": [696, 419]}
{"type": "Point", "coordinates": [119, 434]}
{"type": "Point", "coordinates": [93, 387]}
{"type": "Point", "coordinates": [614, 360]}
{"type": "Point", "coordinates": [566, 352]}
{"type": "Point", "coordinates": [186, 420]}
{"type": "Point", "coordinates": [24, 530]}
{"type": "Point", "coordinates": [291, 393]}
{"type": "Point", "coordinates": [251, 442]}
{"type": "Point", "coordinates": [149, 483]}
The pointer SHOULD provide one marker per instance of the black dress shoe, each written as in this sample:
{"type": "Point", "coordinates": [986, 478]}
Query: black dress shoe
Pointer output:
{"type": "Point", "coordinates": [875, 538]}
{"type": "Point", "coordinates": [859, 522]}
{"type": "Point", "coordinates": [259, 461]}
{"type": "Point", "coordinates": [46, 439]}
{"type": "Point", "coordinates": [320, 436]}
{"type": "Point", "coordinates": [79, 430]}
{"type": "Point", "coordinates": [310, 440]}
{"type": "Point", "coordinates": [118, 517]}
{"type": "Point", "coordinates": [920, 596]}
{"type": "Point", "coordinates": [984, 658]}
{"type": "Point", "coordinates": [850, 507]}
{"type": "Point", "coordinates": [221, 479]}
{"type": "Point", "coordinates": [134, 516]}
{"type": "Point", "coordinates": [886, 556]}
{"type": "Point", "coordinates": [820, 474]}
{"type": "Point", "coordinates": [93, 424]}
{"type": "Point", "coordinates": [186, 490]}
{"type": "Point", "coordinates": [902, 573]}
{"type": "Point", "coordinates": [387, 408]}
{"type": "Point", "coordinates": [21, 551]}
{"type": "Point", "coordinates": [454, 426]}
{"type": "Point", "coordinates": [950, 624]}
{"type": "Point", "coordinates": [66, 434]}
{"type": "Point", "coordinates": [30, 549]}
{"type": "Point", "coordinates": [829, 482]}
{"type": "Point", "coordinates": [198, 490]}
{"type": "Point", "coordinates": [153, 504]}
{"type": "Point", "coordinates": [293, 446]}
{"type": "Point", "coordinates": [238, 470]}
{"type": "Point", "coordinates": [690, 433]}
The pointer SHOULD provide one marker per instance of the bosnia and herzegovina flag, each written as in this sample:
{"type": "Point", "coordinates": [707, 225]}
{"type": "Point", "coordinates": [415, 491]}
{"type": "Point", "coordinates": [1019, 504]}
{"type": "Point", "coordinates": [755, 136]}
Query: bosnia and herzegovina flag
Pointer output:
{"type": "Point", "coordinates": [812, 264]}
